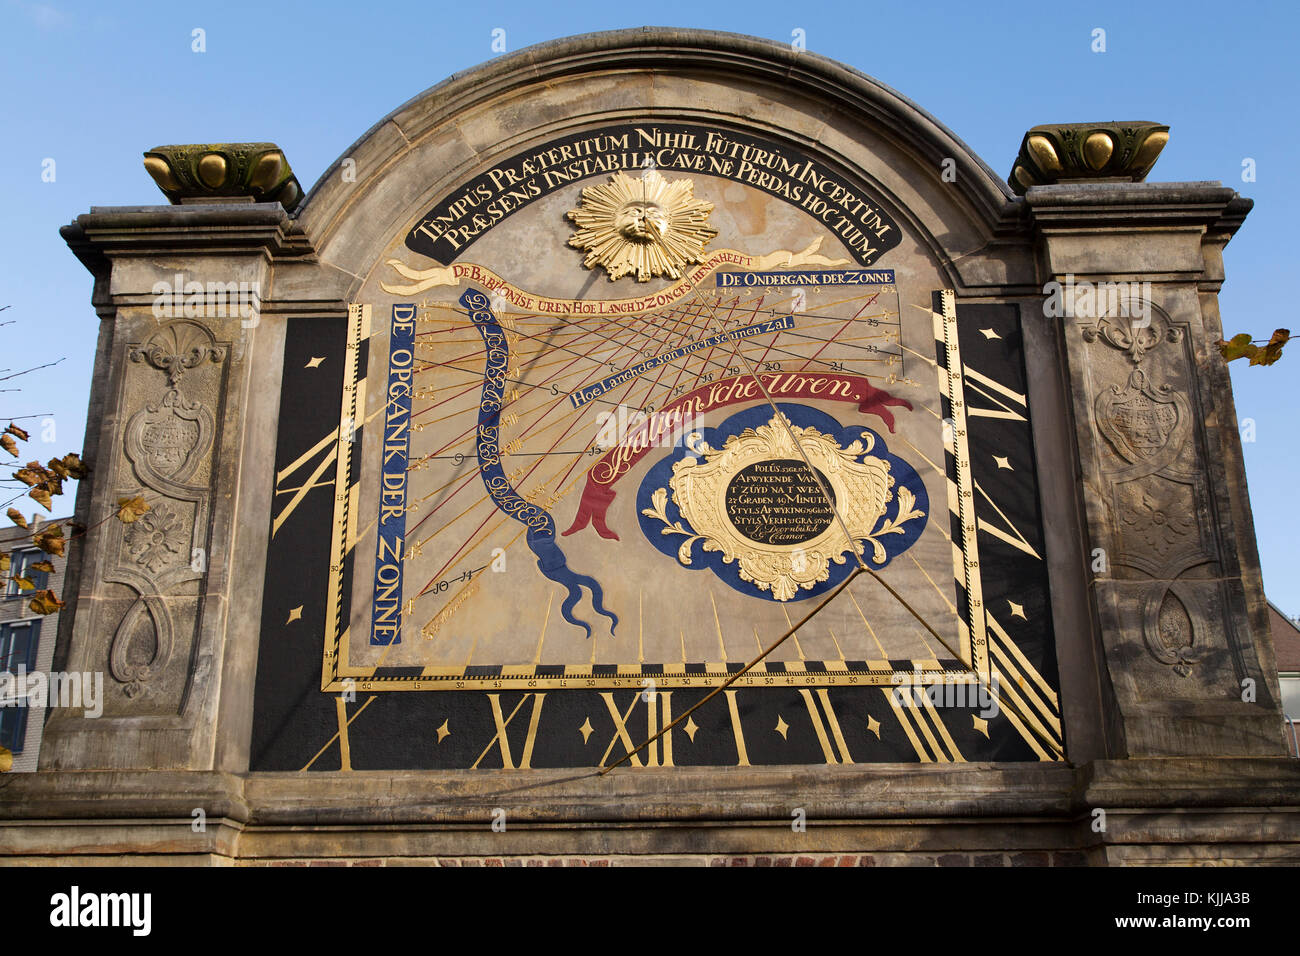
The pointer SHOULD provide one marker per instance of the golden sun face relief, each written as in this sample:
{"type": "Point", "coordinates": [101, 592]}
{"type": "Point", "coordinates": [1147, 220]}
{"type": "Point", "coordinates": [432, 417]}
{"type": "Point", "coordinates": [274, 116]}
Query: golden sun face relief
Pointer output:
{"type": "Point", "coordinates": [644, 226]}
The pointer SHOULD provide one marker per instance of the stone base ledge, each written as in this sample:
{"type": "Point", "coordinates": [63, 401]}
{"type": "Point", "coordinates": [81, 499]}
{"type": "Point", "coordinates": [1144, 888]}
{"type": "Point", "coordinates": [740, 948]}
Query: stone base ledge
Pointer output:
{"type": "Point", "coordinates": [1173, 810]}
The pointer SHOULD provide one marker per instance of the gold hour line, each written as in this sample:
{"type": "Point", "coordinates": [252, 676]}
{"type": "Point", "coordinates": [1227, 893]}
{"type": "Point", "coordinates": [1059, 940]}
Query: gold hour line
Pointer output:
{"type": "Point", "coordinates": [505, 723]}
{"type": "Point", "coordinates": [469, 658]}
{"type": "Point", "coordinates": [559, 495]}
{"type": "Point", "coordinates": [593, 647]}
{"type": "Point", "coordinates": [1020, 660]}
{"type": "Point", "coordinates": [600, 360]}
{"type": "Point", "coordinates": [722, 648]}
{"type": "Point", "coordinates": [937, 526]}
{"type": "Point", "coordinates": [319, 484]}
{"type": "Point", "coordinates": [922, 455]}
{"type": "Point", "coordinates": [306, 456]}
{"type": "Point", "coordinates": [681, 635]}
{"type": "Point", "coordinates": [758, 640]}
{"type": "Point", "coordinates": [928, 361]}
{"type": "Point", "coordinates": [541, 636]}
{"type": "Point", "coordinates": [1026, 690]}
{"type": "Point", "coordinates": [487, 533]}
{"type": "Point", "coordinates": [640, 648]}
{"type": "Point", "coordinates": [1014, 537]}
{"type": "Point", "coordinates": [448, 484]}
{"type": "Point", "coordinates": [618, 346]}
{"type": "Point", "coordinates": [319, 470]}
{"type": "Point", "coordinates": [565, 491]}
{"type": "Point", "coordinates": [1018, 713]}
{"type": "Point", "coordinates": [330, 742]}
{"type": "Point", "coordinates": [559, 421]}
{"type": "Point", "coordinates": [975, 379]}
{"type": "Point", "coordinates": [838, 650]}
{"type": "Point", "coordinates": [853, 598]}
{"type": "Point", "coordinates": [345, 745]}
{"type": "Point", "coordinates": [927, 709]}
{"type": "Point", "coordinates": [951, 606]}
{"type": "Point", "coordinates": [1007, 412]}
{"type": "Point", "coordinates": [794, 637]}
{"type": "Point", "coordinates": [901, 714]}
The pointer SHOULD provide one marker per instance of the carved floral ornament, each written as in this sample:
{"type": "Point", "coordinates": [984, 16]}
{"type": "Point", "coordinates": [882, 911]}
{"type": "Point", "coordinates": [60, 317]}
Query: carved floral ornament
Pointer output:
{"type": "Point", "coordinates": [176, 348]}
{"type": "Point", "coordinates": [1129, 334]}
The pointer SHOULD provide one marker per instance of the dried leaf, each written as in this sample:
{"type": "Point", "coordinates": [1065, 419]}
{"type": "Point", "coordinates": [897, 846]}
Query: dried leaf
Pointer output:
{"type": "Point", "coordinates": [6, 760]}
{"type": "Point", "coordinates": [57, 467]}
{"type": "Point", "coordinates": [24, 584]}
{"type": "Point", "coordinates": [16, 432]}
{"type": "Point", "coordinates": [41, 497]}
{"type": "Point", "coordinates": [29, 477]}
{"type": "Point", "coordinates": [45, 602]}
{"type": "Point", "coordinates": [8, 444]}
{"type": "Point", "coordinates": [128, 509]}
{"type": "Point", "coordinates": [1242, 346]}
{"type": "Point", "coordinates": [45, 566]}
{"type": "Point", "coordinates": [1271, 352]}
{"type": "Point", "coordinates": [16, 517]}
{"type": "Point", "coordinates": [51, 540]}
{"type": "Point", "coordinates": [76, 468]}
{"type": "Point", "coordinates": [4, 562]}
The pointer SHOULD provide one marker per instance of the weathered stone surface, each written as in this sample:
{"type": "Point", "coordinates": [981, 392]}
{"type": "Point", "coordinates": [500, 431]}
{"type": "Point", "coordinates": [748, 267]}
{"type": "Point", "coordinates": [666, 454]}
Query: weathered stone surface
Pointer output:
{"type": "Point", "coordinates": [1136, 451]}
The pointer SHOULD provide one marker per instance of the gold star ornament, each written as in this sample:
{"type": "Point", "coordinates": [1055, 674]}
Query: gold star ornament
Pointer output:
{"type": "Point", "coordinates": [642, 226]}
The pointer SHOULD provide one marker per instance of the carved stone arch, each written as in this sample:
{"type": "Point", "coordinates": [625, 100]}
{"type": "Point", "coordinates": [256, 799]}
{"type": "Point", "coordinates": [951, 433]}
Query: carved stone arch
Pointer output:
{"type": "Point", "coordinates": [829, 111]}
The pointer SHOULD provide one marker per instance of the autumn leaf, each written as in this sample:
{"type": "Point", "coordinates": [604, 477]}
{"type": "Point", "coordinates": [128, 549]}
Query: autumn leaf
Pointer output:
{"type": "Point", "coordinates": [5, 561]}
{"type": "Point", "coordinates": [29, 477]}
{"type": "Point", "coordinates": [16, 517]}
{"type": "Point", "coordinates": [75, 467]}
{"type": "Point", "coordinates": [24, 584]}
{"type": "Point", "coordinates": [57, 467]}
{"type": "Point", "coordinates": [1271, 352]}
{"type": "Point", "coordinates": [8, 444]}
{"type": "Point", "coordinates": [45, 566]}
{"type": "Point", "coordinates": [1243, 346]}
{"type": "Point", "coordinates": [41, 497]}
{"type": "Point", "coordinates": [16, 432]}
{"type": "Point", "coordinates": [6, 760]}
{"type": "Point", "coordinates": [45, 602]}
{"type": "Point", "coordinates": [128, 509]}
{"type": "Point", "coordinates": [51, 540]}
{"type": "Point", "coordinates": [1239, 346]}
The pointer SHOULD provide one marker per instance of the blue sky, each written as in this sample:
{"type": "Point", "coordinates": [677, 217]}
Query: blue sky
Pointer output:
{"type": "Point", "coordinates": [92, 85]}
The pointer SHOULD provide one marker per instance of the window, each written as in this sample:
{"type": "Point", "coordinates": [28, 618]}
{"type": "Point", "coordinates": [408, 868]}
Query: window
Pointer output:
{"type": "Point", "coordinates": [13, 728]}
{"type": "Point", "coordinates": [21, 567]}
{"type": "Point", "coordinates": [18, 643]}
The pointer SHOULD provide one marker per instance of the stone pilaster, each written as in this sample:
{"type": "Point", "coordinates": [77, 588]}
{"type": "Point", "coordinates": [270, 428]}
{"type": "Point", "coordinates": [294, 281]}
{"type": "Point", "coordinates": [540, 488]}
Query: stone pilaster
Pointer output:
{"type": "Point", "coordinates": [1177, 601]}
{"type": "Point", "coordinates": [181, 294]}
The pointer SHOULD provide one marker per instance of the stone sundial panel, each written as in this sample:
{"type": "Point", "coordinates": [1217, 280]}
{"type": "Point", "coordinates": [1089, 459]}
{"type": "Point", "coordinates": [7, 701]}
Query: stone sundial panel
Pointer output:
{"type": "Point", "coordinates": [606, 421]}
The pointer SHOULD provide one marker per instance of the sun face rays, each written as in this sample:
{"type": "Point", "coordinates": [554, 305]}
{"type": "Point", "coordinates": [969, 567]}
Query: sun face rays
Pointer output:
{"type": "Point", "coordinates": [646, 227]}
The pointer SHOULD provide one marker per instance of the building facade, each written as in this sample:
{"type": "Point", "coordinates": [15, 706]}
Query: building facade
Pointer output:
{"type": "Point", "coordinates": [666, 445]}
{"type": "Point", "coordinates": [26, 645]}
